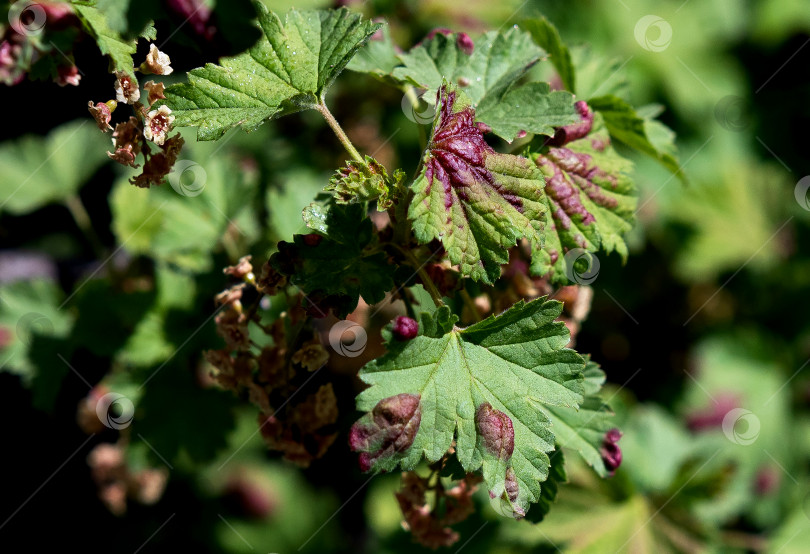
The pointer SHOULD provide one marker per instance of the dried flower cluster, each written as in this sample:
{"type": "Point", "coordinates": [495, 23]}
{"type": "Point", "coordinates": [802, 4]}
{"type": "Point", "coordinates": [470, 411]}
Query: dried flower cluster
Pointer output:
{"type": "Point", "coordinates": [302, 427]}
{"type": "Point", "coordinates": [428, 524]}
{"type": "Point", "coordinates": [130, 138]}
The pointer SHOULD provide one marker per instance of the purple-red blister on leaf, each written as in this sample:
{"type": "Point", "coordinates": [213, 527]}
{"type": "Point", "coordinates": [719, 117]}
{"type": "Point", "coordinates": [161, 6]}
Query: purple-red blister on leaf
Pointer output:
{"type": "Point", "coordinates": [611, 453]}
{"type": "Point", "coordinates": [405, 328]}
{"type": "Point", "coordinates": [465, 43]}
{"type": "Point", "coordinates": [495, 428]}
{"type": "Point", "coordinates": [389, 429]}
{"type": "Point", "coordinates": [512, 491]}
{"type": "Point", "coordinates": [575, 131]}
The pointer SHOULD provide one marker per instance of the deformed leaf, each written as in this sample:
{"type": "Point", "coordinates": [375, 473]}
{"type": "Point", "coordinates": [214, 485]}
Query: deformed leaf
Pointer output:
{"type": "Point", "coordinates": [485, 387]}
{"type": "Point", "coordinates": [591, 199]}
{"type": "Point", "coordinates": [288, 70]}
{"type": "Point", "coordinates": [476, 201]}
{"type": "Point", "coordinates": [365, 181]}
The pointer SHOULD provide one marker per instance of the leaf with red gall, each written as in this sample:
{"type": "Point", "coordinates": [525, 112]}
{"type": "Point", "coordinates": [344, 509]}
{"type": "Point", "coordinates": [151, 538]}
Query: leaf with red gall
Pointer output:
{"type": "Point", "coordinates": [496, 431]}
{"type": "Point", "coordinates": [483, 391]}
{"type": "Point", "coordinates": [405, 328]}
{"type": "Point", "coordinates": [476, 201]}
{"type": "Point", "coordinates": [591, 199]}
{"type": "Point", "coordinates": [387, 431]}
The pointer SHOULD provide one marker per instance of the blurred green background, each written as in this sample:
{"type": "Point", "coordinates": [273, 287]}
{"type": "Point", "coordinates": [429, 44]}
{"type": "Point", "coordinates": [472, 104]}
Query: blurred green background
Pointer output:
{"type": "Point", "coordinates": [703, 334]}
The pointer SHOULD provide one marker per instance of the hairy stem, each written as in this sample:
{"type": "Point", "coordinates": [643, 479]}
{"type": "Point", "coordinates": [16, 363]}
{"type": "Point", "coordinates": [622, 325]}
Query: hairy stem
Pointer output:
{"type": "Point", "coordinates": [338, 130]}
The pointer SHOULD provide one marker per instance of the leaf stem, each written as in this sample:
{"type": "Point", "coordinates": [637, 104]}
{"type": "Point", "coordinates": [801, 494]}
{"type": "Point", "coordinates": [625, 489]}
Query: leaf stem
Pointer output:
{"type": "Point", "coordinates": [74, 204]}
{"type": "Point", "coordinates": [423, 276]}
{"type": "Point", "coordinates": [338, 130]}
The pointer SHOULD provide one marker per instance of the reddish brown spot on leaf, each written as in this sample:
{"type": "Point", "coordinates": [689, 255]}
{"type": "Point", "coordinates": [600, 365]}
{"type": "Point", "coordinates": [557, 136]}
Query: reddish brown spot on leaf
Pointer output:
{"type": "Point", "coordinates": [390, 428]}
{"type": "Point", "coordinates": [495, 428]}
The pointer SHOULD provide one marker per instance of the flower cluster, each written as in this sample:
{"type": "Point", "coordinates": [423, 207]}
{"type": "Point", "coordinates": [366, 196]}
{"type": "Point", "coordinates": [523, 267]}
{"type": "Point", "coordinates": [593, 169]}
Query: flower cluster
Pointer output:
{"type": "Point", "coordinates": [270, 376]}
{"type": "Point", "coordinates": [150, 123]}
{"type": "Point", "coordinates": [430, 525]}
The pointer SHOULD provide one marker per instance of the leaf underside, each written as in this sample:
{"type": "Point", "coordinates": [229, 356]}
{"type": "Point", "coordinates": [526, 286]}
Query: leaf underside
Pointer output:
{"type": "Point", "coordinates": [516, 363]}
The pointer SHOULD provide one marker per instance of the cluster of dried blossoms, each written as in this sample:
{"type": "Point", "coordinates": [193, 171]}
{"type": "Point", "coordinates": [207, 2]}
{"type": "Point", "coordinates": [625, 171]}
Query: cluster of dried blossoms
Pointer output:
{"type": "Point", "coordinates": [429, 522]}
{"type": "Point", "coordinates": [116, 481]}
{"type": "Point", "coordinates": [270, 376]}
{"type": "Point", "coordinates": [149, 124]}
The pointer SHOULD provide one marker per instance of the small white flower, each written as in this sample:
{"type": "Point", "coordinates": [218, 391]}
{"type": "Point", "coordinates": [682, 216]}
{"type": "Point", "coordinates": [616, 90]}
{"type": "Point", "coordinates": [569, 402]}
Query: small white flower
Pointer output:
{"type": "Point", "coordinates": [156, 62]}
{"type": "Point", "coordinates": [157, 124]}
{"type": "Point", "coordinates": [126, 88]}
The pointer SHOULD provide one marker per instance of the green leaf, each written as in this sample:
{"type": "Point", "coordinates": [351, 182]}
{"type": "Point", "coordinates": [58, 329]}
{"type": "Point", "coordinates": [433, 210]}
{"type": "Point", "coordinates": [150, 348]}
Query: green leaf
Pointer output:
{"type": "Point", "coordinates": [29, 309]}
{"type": "Point", "coordinates": [489, 76]}
{"type": "Point", "coordinates": [497, 61]}
{"type": "Point", "coordinates": [344, 224]}
{"type": "Point", "coordinates": [182, 224]}
{"type": "Point", "coordinates": [548, 38]}
{"type": "Point", "coordinates": [548, 492]}
{"type": "Point", "coordinates": [345, 264]}
{"type": "Point", "coordinates": [583, 430]}
{"type": "Point", "coordinates": [476, 201]}
{"type": "Point", "coordinates": [591, 200]}
{"type": "Point", "coordinates": [377, 57]}
{"type": "Point", "coordinates": [40, 170]}
{"type": "Point", "coordinates": [627, 126]}
{"type": "Point", "coordinates": [512, 365]}
{"type": "Point", "coordinates": [532, 108]}
{"type": "Point", "coordinates": [288, 70]}
{"type": "Point", "coordinates": [109, 40]}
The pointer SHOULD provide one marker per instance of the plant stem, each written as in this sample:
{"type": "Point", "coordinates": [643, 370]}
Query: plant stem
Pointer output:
{"type": "Point", "coordinates": [338, 130]}
{"type": "Point", "coordinates": [423, 276]}
{"type": "Point", "coordinates": [470, 303]}
{"type": "Point", "coordinates": [74, 204]}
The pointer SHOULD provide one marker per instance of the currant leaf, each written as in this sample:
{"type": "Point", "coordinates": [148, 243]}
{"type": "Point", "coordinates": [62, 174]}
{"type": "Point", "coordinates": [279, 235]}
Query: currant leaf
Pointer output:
{"type": "Point", "coordinates": [344, 269]}
{"type": "Point", "coordinates": [626, 125]}
{"type": "Point", "coordinates": [488, 76]}
{"type": "Point", "coordinates": [583, 430]}
{"type": "Point", "coordinates": [591, 199]}
{"type": "Point", "coordinates": [548, 38]}
{"type": "Point", "coordinates": [288, 70]}
{"type": "Point", "coordinates": [485, 386]}
{"type": "Point", "coordinates": [476, 201]}
{"type": "Point", "coordinates": [109, 41]}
